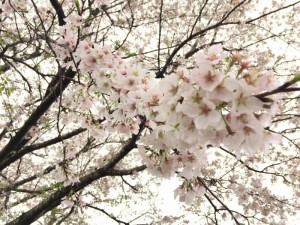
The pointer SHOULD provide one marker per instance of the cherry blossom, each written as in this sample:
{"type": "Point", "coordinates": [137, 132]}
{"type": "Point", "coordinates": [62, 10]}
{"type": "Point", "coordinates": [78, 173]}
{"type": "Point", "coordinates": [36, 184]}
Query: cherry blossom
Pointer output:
{"type": "Point", "coordinates": [95, 92]}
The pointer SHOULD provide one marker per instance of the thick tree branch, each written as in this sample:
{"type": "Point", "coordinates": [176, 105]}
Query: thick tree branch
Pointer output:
{"type": "Point", "coordinates": [126, 172]}
{"type": "Point", "coordinates": [59, 11]}
{"type": "Point", "coordinates": [19, 140]}
{"type": "Point", "coordinates": [34, 147]}
{"type": "Point", "coordinates": [131, 144]}
{"type": "Point", "coordinates": [281, 89]}
{"type": "Point", "coordinates": [55, 199]}
{"type": "Point", "coordinates": [47, 170]}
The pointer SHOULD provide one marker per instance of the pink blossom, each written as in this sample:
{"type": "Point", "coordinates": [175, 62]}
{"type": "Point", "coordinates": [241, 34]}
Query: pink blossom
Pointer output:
{"type": "Point", "coordinates": [207, 78]}
{"type": "Point", "coordinates": [228, 89]}
{"type": "Point", "coordinates": [213, 56]}
{"type": "Point", "coordinates": [168, 166]}
{"type": "Point", "coordinates": [246, 104]}
{"type": "Point", "coordinates": [188, 191]}
{"type": "Point", "coordinates": [204, 113]}
{"type": "Point", "coordinates": [6, 8]}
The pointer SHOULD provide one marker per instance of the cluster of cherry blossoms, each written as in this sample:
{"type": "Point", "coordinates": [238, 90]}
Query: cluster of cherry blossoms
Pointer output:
{"type": "Point", "coordinates": [186, 112]}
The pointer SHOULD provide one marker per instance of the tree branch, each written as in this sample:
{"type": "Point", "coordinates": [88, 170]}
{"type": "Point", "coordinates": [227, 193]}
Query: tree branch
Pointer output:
{"type": "Point", "coordinates": [13, 157]}
{"type": "Point", "coordinates": [55, 199]}
{"type": "Point", "coordinates": [59, 11]}
{"type": "Point", "coordinates": [126, 172]}
{"type": "Point", "coordinates": [160, 74]}
{"type": "Point", "coordinates": [108, 214]}
{"type": "Point", "coordinates": [17, 142]}
{"type": "Point", "coordinates": [280, 89]}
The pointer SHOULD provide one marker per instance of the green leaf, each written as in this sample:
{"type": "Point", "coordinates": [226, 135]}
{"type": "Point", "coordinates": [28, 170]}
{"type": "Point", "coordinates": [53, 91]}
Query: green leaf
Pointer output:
{"type": "Point", "coordinates": [296, 77]}
{"type": "Point", "coordinates": [77, 5]}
